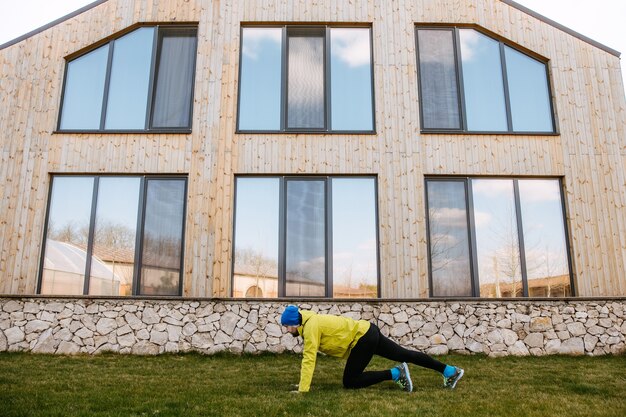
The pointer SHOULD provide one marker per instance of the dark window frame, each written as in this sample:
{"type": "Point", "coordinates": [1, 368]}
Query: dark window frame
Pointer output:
{"type": "Point", "coordinates": [460, 83]}
{"type": "Point", "coordinates": [282, 229]}
{"type": "Point", "coordinates": [473, 252]}
{"type": "Point", "coordinates": [160, 31]}
{"type": "Point", "coordinates": [141, 212]}
{"type": "Point", "coordinates": [327, 130]}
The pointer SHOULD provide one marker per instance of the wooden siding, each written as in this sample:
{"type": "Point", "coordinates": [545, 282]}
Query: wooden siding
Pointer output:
{"type": "Point", "coordinates": [589, 153]}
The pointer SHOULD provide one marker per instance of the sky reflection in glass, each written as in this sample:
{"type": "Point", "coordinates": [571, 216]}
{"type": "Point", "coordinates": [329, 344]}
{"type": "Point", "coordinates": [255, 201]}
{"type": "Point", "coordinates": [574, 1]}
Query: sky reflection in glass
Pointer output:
{"type": "Point", "coordinates": [497, 243]}
{"type": "Point", "coordinates": [65, 253]}
{"type": "Point", "coordinates": [351, 79]}
{"type": "Point", "coordinates": [256, 237]}
{"type": "Point", "coordinates": [544, 238]}
{"type": "Point", "coordinates": [482, 82]}
{"type": "Point", "coordinates": [355, 272]}
{"type": "Point", "coordinates": [529, 93]}
{"type": "Point", "coordinates": [259, 100]}
{"type": "Point", "coordinates": [130, 77]}
{"type": "Point", "coordinates": [115, 234]}
{"type": "Point", "coordinates": [84, 89]}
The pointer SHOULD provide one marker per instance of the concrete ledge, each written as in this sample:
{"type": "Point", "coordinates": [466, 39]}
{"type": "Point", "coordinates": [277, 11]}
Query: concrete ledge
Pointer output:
{"type": "Point", "coordinates": [145, 325]}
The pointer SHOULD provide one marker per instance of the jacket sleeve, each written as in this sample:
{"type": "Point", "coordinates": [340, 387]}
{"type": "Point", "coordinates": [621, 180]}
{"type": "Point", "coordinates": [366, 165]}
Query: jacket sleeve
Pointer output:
{"type": "Point", "coordinates": [311, 336]}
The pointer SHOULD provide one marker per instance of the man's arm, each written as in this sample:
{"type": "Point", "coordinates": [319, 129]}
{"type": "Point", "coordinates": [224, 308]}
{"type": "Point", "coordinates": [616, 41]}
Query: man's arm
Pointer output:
{"type": "Point", "coordinates": [311, 343]}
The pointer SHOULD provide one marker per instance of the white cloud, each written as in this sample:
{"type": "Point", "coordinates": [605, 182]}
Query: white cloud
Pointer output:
{"type": "Point", "coordinates": [253, 37]}
{"type": "Point", "coordinates": [351, 45]}
{"type": "Point", "coordinates": [469, 41]}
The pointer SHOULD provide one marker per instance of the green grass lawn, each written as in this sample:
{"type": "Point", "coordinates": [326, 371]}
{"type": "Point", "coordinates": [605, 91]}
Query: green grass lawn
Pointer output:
{"type": "Point", "coordinates": [226, 385]}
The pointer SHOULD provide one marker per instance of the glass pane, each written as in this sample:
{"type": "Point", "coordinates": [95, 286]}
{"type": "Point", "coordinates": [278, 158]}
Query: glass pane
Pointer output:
{"type": "Point", "coordinates": [497, 243]}
{"type": "Point", "coordinates": [351, 79]}
{"type": "Point", "coordinates": [84, 89]}
{"type": "Point", "coordinates": [65, 255]}
{"type": "Point", "coordinates": [261, 61]}
{"type": "Point", "coordinates": [485, 107]}
{"type": "Point", "coordinates": [113, 257]}
{"type": "Point", "coordinates": [449, 243]}
{"type": "Point", "coordinates": [174, 82]}
{"type": "Point", "coordinates": [162, 237]}
{"type": "Point", "coordinates": [355, 260]}
{"type": "Point", "coordinates": [306, 238]}
{"type": "Point", "coordinates": [305, 81]}
{"type": "Point", "coordinates": [130, 78]}
{"type": "Point", "coordinates": [256, 237]}
{"type": "Point", "coordinates": [544, 238]}
{"type": "Point", "coordinates": [529, 93]}
{"type": "Point", "coordinates": [438, 81]}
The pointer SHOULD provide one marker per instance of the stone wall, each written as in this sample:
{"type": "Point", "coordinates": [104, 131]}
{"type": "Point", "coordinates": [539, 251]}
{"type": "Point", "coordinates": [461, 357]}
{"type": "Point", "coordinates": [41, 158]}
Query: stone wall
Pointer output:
{"type": "Point", "coordinates": [141, 326]}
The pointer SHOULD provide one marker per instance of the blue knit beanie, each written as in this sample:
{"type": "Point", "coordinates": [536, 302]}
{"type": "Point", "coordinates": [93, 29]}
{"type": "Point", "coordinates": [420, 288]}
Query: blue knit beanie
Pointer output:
{"type": "Point", "coordinates": [290, 317]}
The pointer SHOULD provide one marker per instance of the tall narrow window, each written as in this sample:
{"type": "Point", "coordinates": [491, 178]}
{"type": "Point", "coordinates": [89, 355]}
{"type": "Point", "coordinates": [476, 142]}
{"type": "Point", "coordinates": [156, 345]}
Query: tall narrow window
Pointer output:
{"type": "Point", "coordinates": [513, 242]}
{"type": "Point", "coordinates": [438, 81]}
{"type": "Point", "coordinates": [162, 237]}
{"type": "Point", "coordinates": [305, 237]}
{"type": "Point", "coordinates": [305, 98]}
{"type": "Point", "coordinates": [174, 79]}
{"type": "Point", "coordinates": [355, 266]}
{"type": "Point", "coordinates": [351, 79]}
{"type": "Point", "coordinates": [449, 239]}
{"type": "Point", "coordinates": [255, 269]}
{"type": "Point", "coordinates": [260, 79]}
{"type": "Point", "coordinates": [544, 238]}
{"type": "Point", "coordinates": [141, 81]}
{"type": "Point", "coordinates": [313, 78]}
{"type": "Point", "coordinates": [67, 235]}
{"type": "Point", "coordinates": [485, 106]}
{"type": "Point", "coordinates": [470, 82]}
{"type": "Point", "coordinates": [497, 241]}
{"type": "Point", "coordinates": [130, 80]}
{"type": "Point", "coordinates": [113, 235]}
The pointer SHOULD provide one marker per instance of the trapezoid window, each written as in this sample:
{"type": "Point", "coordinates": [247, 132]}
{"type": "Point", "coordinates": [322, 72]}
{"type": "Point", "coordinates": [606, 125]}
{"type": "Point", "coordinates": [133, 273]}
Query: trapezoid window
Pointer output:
{"type": "Point", "coordinates": [141, 81]}
{"type": "Point", "coordinates": [470, 82]}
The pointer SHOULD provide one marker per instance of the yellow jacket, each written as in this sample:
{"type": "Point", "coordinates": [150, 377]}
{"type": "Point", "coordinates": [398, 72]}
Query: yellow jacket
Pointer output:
{"type": "Point", "coordinates": [332, 335]}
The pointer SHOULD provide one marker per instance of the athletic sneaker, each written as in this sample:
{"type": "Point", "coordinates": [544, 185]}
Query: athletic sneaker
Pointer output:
{"type": "Point", "coordinates": [450, 382]}
{"type": "Point", "coordinates": [404, 380]}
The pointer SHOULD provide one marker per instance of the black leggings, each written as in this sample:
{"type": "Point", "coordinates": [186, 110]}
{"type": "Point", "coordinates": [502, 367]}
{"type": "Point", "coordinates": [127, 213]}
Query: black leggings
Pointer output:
{"type": "Point", "coordinates": [374, 343]}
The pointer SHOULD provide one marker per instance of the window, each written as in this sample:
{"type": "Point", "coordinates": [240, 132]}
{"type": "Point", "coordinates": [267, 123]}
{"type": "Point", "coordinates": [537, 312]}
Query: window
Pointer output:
{"type": "Point", "coordinates": [142, 81]}
{"type": "Point", "coordinates": [306, 79]}
{"type": "Point", "coordinates": [305, 237]}
{"type": "Point", "coordinates": [493, 238]}
{"type": "Point", "coordinates": [114, 235]}
{"type": "Point", "coordinates": [470, 82]}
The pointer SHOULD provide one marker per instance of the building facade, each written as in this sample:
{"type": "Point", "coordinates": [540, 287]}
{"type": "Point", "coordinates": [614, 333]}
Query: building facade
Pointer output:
{"type": "Point", "coordinates": [288, 149]}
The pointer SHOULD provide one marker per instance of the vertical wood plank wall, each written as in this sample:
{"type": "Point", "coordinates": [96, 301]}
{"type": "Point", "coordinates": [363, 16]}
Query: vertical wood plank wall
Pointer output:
{"type": "Point", "coordinates": [589, 153]}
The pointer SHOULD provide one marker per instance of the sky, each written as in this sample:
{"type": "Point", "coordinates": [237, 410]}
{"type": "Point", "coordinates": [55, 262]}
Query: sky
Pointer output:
{"type": "Point", "coordinates": [600, 20]}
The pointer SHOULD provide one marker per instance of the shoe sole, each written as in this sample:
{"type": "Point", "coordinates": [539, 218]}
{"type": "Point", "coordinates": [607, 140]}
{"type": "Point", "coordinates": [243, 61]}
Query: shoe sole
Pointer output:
{"type": "Point", "coordinates": [458, 379]}
{"type": "Point", "coordinates": [405, 367]}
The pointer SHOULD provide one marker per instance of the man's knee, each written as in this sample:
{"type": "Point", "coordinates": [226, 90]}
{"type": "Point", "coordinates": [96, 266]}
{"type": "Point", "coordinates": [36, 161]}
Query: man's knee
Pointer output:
{"type": "Point", "coordinates": [350, 383]}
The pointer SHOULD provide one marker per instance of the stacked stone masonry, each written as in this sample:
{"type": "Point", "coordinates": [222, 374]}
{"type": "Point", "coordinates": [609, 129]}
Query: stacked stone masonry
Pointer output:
{"type": "Point", "coordinates": [150, 327]}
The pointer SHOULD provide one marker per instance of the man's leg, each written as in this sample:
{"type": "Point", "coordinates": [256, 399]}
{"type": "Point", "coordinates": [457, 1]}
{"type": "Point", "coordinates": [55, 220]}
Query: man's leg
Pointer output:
{"type": "Point", "coordinates": [360, 357]}
{"type": "Point", "coordinates": [389, 349]}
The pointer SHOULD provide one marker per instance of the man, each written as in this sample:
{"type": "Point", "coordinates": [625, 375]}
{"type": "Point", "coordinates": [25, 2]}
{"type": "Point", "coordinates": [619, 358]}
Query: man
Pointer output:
{"type": "Point", "coordinates": [356, 341]}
